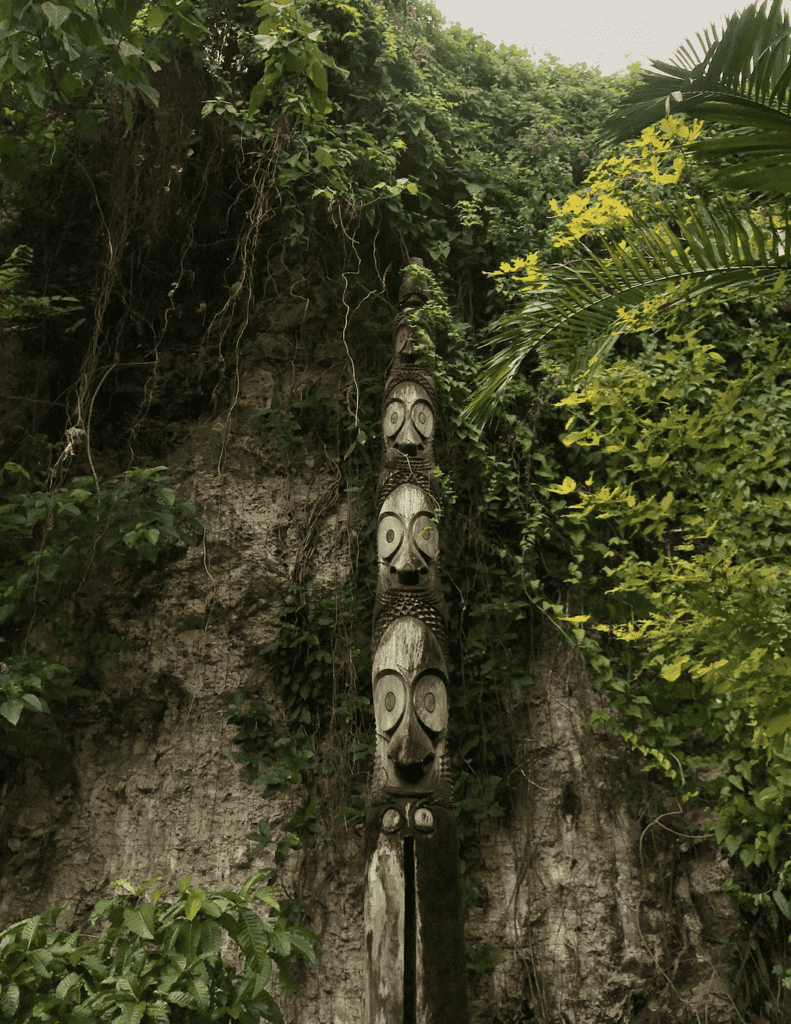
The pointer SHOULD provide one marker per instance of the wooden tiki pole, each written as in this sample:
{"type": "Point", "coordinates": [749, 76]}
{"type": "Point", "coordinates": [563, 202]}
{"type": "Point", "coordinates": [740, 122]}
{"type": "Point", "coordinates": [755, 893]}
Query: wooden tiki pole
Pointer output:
{"type": "Point", "coordinates": [415, 963]}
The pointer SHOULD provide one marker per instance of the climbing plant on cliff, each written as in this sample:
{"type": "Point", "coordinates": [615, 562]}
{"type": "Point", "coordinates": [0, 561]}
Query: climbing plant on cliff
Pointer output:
{"type": "Point", "coordinates": [666, 329]}
{"type": "Point", "coordinates": [328, 139]}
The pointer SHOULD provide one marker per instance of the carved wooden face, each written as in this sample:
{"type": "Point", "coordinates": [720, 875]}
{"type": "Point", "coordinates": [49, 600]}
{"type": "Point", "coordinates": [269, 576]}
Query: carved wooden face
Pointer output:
{"type": "Point", "coordinates": [408, 421]}
{"type": "Point", "coordinates": [410, 704]}
{"type": "Point", "coordinates": [407, 539]}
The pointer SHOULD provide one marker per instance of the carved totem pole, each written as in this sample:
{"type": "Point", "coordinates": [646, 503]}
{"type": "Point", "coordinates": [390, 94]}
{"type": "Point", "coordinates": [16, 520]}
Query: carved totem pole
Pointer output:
{"type": "Point", "coordinates": [415, 964]}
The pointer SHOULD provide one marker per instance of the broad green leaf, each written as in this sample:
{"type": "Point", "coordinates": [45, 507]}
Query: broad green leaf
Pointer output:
{"type": "Point", "coordinates": [9, 999]}
{"type": "Point", "coordinates": [210, 938]}
{"type": "Point", "coordinates": [56, 14]}
{"type": "Point", "coordinates": [303, 940]}
{"type": "Point", "coordinates": [317, 73]}
{"type": "Point", "coordinates": [200, 991]}
{"type": "Point", "coordinates": [782, 904]}
{"type": "Point", "coordinates": [193, 903]}
{"type": "Point", "coordinates": [11, 710]}
{"type": "Point", "coordinates": [251, 937]}
{"type": "Point", "coordinates": [156, 17]}
{"type": "Point", "coordinates": [147, 912]}
{"type": "Point", "coordinates": [158, 1011]}
{"type": "Point", "coordinates": [281, 942]}
{"type": "Point", "coordinates": [777, 724]}
{"type": "Point", "coordinates": [126, 49]}
{"type": "Point", "coordinates": [131, 1013]}
{"type": "Point", "coordinates": [258, 94]}
{"type": "Point", "coordinates": [35, 703]}
{"type": "Point", "coordinates": [125, 884]}
{"type": "Point", "coordinates": [134, 921]}
{"type": "Point", "coordinates": [69, 986]}
{"type": "Point", "coordinates": [180, 998]}
{"type": "Point", "coordinates": [732, 844]}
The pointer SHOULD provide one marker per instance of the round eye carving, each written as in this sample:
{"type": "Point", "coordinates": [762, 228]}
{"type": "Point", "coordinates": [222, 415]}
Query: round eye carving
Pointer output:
{"type": "Point", "coordinates": [389, 536]}
{"type": "Point", "coordinates": [431, 703]}
{"type": "Point", "coordinates": [389, 701]}
{"type": "Point", "coordinates": [426, 535]}
{"type": "Point", "coordinates": [423, 418]}
{"type": "Point", "coordinates": [393, 418]}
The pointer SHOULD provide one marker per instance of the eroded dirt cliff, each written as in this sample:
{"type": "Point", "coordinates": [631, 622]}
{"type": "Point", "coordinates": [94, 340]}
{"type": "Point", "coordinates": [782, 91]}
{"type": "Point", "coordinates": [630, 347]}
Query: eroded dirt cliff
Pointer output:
{"type": "Point", "coordinates": [601, 906]}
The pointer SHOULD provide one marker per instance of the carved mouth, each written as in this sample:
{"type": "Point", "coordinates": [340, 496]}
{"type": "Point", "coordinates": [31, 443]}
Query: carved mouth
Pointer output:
{"type": "Point", "coordinates": [409, 577]}
{"type": "Point", "coordinates": [410, 773]}
{"type": "Point", "coordinates": [412, 450]}
{"type": "Point", "coordinates": [415, 772]}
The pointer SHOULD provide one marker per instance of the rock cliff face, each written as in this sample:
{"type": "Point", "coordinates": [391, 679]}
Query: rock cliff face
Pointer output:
{"type": "Point", "coordinates": [602, 910]}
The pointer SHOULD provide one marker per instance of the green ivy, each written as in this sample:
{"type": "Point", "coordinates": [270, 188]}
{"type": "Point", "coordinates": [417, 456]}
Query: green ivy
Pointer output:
{"type": "Point", "coordinates": [52, 540]}
{"type": "Point", "coordinates": [156, 959]}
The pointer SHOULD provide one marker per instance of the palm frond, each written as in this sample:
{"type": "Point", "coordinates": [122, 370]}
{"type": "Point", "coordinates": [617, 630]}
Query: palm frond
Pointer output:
{"type": "Point", "coordinates": [575, 316]}
{"type": "Point", "coordinates": [741, 77]}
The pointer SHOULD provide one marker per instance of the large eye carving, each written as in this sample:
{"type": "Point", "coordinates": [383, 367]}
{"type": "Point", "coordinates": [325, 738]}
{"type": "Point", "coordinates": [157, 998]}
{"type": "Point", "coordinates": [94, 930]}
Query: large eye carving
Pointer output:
{"type": "Point", "coordinates": [394, 418]}
{"type": "Point", "coordinates": [389, 536]}
{"type": "Point", "coordinates": [426, 535]}
{"type": "Point", "coordinates": [431, 702]}
{"type": "Point", "coordinates": [389, 701]}
{"type": "Point", "coordinates": [423, 419]}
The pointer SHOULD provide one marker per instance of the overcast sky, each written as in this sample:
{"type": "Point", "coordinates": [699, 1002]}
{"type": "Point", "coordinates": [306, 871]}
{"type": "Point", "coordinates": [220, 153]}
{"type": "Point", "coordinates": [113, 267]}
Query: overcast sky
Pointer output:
{"type": "Point", "coordinates": [605, 33]}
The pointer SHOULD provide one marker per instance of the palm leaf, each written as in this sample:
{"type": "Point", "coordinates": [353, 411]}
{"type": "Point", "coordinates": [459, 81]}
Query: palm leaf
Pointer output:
{"type": "Point", "coordinates": [741, 78]}
{"type": "Point", "coordinates": [573, 319]}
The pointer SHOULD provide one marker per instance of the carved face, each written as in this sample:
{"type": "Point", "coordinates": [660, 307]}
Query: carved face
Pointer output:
{"type": "Point", "coordinates": [407, 540]}
{"type": "Point", "coordinates": [408, 421]}
{"type": "Point", "coordinates": [410, 704]}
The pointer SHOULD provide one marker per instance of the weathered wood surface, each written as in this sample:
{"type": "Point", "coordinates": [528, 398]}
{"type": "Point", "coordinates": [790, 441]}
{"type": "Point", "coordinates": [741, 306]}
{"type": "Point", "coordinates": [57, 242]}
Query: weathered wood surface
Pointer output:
{"type": "Point", "coordinates": [415, 963]}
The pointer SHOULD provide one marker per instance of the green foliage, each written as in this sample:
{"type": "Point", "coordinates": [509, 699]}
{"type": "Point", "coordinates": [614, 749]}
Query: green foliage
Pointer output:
{"type": "Point", "coordinates": [156, 960]}
{"type": "Point", "coordinates": [58, 62]}
{"type": "Point", "coordinates": [481, 959]}
{"type": "Point", "coordinates": [305, 662]}
{"type": "Point", "coordinates": [739, 78]}
{"type": "Point", "coordinates": [52, 540]}
{"type": "Point", "coordinates": [657, 250]}
{"type": "Point", "coordinates": [290, 48]}
{"type": "Point", "coordinates": [666, 334]}
{"type": "Point", "coordinates": [15, 306]}
{"type": "Point", "coordinates": [293, 423]}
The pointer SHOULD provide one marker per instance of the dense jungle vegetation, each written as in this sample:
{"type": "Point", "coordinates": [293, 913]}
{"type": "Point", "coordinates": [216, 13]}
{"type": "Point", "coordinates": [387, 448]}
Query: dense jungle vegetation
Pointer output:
{"type": "Point", "coordinates": [168, 167]}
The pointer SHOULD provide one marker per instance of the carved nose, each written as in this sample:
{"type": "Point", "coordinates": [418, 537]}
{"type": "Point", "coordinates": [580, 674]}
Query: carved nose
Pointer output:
{"type": "Point", "coordinates": [408, 441]}
{"type": "Point", "coordinates": [408, 566]}
{"type": "Point", "coordinates": [411, 750]}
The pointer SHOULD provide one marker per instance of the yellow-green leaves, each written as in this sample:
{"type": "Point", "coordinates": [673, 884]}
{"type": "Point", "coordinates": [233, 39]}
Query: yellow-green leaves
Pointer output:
{"type": "Point", "coordinates": [193, 903]}
{"type": "Point", "coordinates": [567, 487]}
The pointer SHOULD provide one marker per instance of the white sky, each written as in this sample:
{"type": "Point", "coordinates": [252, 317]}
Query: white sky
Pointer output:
{"type": "Point", "coordinates": [605, 33]}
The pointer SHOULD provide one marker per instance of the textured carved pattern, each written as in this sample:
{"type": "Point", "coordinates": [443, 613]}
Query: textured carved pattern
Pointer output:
{"type": "Point", "coordinates": [410, 375]}
{"type": "Point", "coordinates": [415, 964]}
{"type": "Point", "coordinates": [396, 604]}
{"type": "Point", "coordinates": [401, 470]}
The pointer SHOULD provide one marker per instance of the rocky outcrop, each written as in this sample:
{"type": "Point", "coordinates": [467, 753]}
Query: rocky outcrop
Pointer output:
{"type": "Point", "coordinates": [602, 907]}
